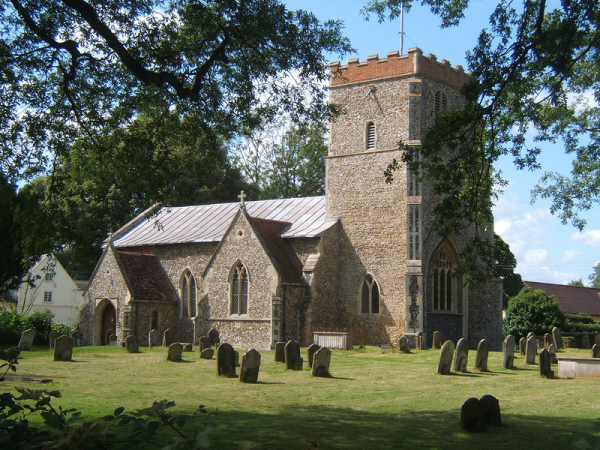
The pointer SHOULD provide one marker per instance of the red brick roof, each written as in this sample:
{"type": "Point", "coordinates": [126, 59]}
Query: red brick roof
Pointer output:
{"type": "Point", "coordinates": [571, 299]}
{"type": "Point", "coordinates": [146, 278]}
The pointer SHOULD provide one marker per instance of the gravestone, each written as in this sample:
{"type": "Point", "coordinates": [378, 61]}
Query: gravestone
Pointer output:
{"type": "Point", "coordinates": [63, 348]}
{"type": "Point", "coordinates": [207, 353]}
{"type": "Point", "coordinates": [491, 410]}
{"type": "Point", "coordinates": [280, 352]}
{"type": "Point", "coordinates": [78, 336]}
{"type": "Point", "coordinates": [168, 337]}
{"type": "Point", "coordinates": [26, 340]}
{"type": "Point", "coordinates": [530, 350]}
{"type": "Point", "coordinates": [154, 339]}
{"type": "Point", "coordinates": [214, 336]}
{"type": "Point", "coordinates": [471, 416]}
{"type": "Point", "coordinates": [403, 345]}
{"type": "Point", "coordinates": [236, 356]}
{"type": "Point", "coordinates": [205, 342]}
{"type": "Point", "coordinates": [547, 340]}
{"type": "Point", "coordinates": [187, 346]}
{"type": "Point", "coordinates": [226, 360]}
{"type": "Point", "coordinates": [522, 343]}
{"type": "Point", "coordinates": [545, 364]}
{"type": "Point", "coordinates": [508, 352]}
{"type": "Point", "coordinates": [438, 339]}
{"type": "Point", "coordinates": [249, 367]}
{"type": "Point", "coordinates": [445, 359]}
{"type": "Point", "coordinates": [557, 338]}
{"type": "Point", "coordinates": [552, 351]}
{"type": "Point", "coordinates": [421, 342]}
{"type": "Point", "coordinates": [312, 349]}
{"type": "Point", "coordinates": [462, 355]}
{"type": "Point", "coordinates": [52, 338]}
{"type": "Point", "coordinates": [595, 351]}
{"type": "Point", "coordinates": [131, 344]}
{"type": "Point", "coordinates": [320, 366]}
{"type": "Point", "coordinates": [293, 360]}
{"type": "Point", "coordinates": [112, 340]}
{"type": "Point", "coordinates": [481, 357]}
{"type": "Point", "coordinates": [108, 335]}
{"type": "Point", "coordinates": [174, 352]}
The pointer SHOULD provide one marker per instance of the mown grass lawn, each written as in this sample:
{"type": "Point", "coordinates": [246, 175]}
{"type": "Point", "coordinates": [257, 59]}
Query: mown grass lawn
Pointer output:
{"type": "Point", "coordinates": [377, 399]}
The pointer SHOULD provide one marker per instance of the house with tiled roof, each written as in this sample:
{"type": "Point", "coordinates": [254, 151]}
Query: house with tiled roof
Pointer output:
{"type": "Point", "coordinates": [571, 299]}
{"type": "Point", "coordinates": [362, 259]}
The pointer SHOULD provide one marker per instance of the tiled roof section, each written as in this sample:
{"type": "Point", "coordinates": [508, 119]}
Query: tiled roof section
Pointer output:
{"type": "Point", "coordinates": [81, 284]}
{"type": "Point", "coordinates": [208, 223]}
{"type": "Point", "coordinates": [285, 259]}
{"type": "Point", "coordinates": [146, 277]}
{"type": "Point", "coordinates": [571, 299]}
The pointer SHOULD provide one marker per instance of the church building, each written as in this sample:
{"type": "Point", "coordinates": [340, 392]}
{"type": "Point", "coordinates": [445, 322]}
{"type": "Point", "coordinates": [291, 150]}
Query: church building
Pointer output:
{"type": "Point", "coordinates": [362, 259]}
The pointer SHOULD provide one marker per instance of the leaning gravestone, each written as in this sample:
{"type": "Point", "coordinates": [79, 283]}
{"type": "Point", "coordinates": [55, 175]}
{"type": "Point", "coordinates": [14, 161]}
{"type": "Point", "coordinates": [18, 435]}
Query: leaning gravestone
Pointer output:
{"type": "Point", "coordinates": [557, 338]}
{"type": "Point", "coordinates": [52, 338]}
{"type": "Point", "coordinates": [320, 366]}
{"type": "Point", "coordinates": [471, 416]}
{"type": "Point", "coordinates": [312, 349]}
{"type": "Point", "coordinates": [530, 350]}
{"type": "Point", "coordinates": [207, 353]}
{"type": "Point", "coordinates": [545, 364]}
{"type": "Point", "coordinates": [175, 351]}
{"type": "Point", "coordinates": [552, 351]}
{"type": "Point", "coordinates": [226, 360]}
{"type": "Point", "coordinates": [522, 343]}
{"type": "Point", "coordinates": [595, 351]}
{"type": "Point", "coordinates": [490, 408]}
{"type": "Point", "coordinates": [508, 352]}
{"type": "Point", "coordinates": [462, 355]}
{"type": "Point", "coordinates": [131, 344]}
{"type": "Point", "coordinates": [293, 360]}
{"type": "Point", "coordinates": [78, 336]}
{"type": "Point", "coordinates": [154, 339]}
{"type": "Point", "coordinates": [547, 340]}
{"type": "Point", "coordinates": [214, 336]}
{"type": "Point", "coordinates": [63, 348]}
{"type": "Point", "coordinates": [445, 359]}
{"type": "Point", "coordinates": [438, 339]}
{"type": "Point", "coordinates": [26, 340]}
{"type": "Point", "coordinates": [403, 345]}
{"type": "Point", "coordinates": [250, 366]}
{"type": "Point", "coordinates": [280, 352]}
{"type": "Point", "coordinates": [205, 342]}
{"type": "Point", "coordinates": [168, 337]}
{"type": "Point", "coordinates": [481, 358]}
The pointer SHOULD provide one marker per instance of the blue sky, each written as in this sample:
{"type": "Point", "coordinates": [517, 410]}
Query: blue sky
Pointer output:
{"type": "Point", "coordinates": [546, 250]}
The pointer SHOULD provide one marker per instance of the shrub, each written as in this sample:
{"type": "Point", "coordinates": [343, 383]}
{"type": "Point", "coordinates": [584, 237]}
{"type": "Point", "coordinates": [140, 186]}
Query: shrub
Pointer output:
{"type": "Point", "coordinates": [12, 324]}
{"type": "Point", "coordinates": [63, 328]}
{"type": "Point", "coordinates": [40, 321]}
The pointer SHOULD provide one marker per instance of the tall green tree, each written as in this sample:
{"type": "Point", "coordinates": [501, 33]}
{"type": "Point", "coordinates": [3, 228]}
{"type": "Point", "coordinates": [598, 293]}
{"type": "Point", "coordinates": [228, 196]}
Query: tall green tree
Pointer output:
{"type": "Point", "coordinates": [532, 310]}
{"type": "Point", "coordinates": [578, 282]}
{"type": "Point", "coordinates": [595, 277]}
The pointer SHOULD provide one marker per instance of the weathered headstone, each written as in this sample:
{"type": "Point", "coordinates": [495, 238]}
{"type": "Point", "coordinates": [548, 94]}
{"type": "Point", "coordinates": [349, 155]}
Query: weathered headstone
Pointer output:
{"type": "Point", "coordinates": [421, 341]}
{"type": "Point", "coordinates": [557, 338]}
{"type": "Point", "coordinates": [213, 334]}
{"type": "Point", "coordinates": [280, 352]}
{"type": "Point", "coordinates": [207, 353]}
{"type": "Point", "coordinates": [530, 350]}
{"type": "Point", "coordinates": [78, 336]}
{"type": "Point", "coordinates": [174, 352]}
{"type": "Point", "coordinates": [52, 338]}
{"type": "Point", "coordinates": [205, 342]}
{"type": "Point", "coordinates": [403, 345]}
{"type": "Point", "coordinates": [187, 346]}
{"type": "Point", "coordinates": [595, 351]}
{"type": "Point", "coordinates": [508, 352]}
{"type": "Point", "coordinates": [522, 343]}
{"type": "Point", "coordinates": [462, 355]}
{"type": "Point", "coordinates": [236, 356]}
{"type": "Point", "coordinates": [63, 348]}
{"type": "Point", "coordinates": [108, 334]}
{"type": "Point", "coordinates": [545, 364]}
{"type": "Point", "coordinates": [320, 366]}
{"type": "Point", "coordinates": [438, 339]}
{"type": "Point", "coordinates": [547, 340]}
{"type": "Point", "coordinates": [293, 360]}
{"type": "Point", "coordinates": [445, 359]}
{"type": "Point", "coordinates": [471, 416]}
{"type": "Point", "coordinates": [131, 344]}
{"type": "Point", "coordinates": [552, 351]}
{"type": "Point", "coordinates": [154, 339]}
{"type": "Point", "coordinates": [26, 340]}
{"type": "Point", "coordinates": [168, 337]}
{"type": "Point", "coordinates": [491, 410]}
{"type": "Point", "coordinates": [481, 358]}
{"type": "Point", "coordinates": [112, 340]}
{"type": "Point", "coordinates": [250, 366]}
{"type": "Point", "coordinates": [312, 349]}
{"type": "Point", "coordinates": [226, 360]}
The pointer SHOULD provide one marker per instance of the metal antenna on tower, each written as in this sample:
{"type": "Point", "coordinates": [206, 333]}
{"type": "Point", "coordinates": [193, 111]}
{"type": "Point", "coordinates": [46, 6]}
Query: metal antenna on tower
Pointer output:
{"type": "Point", "coordinates": [401, 28]}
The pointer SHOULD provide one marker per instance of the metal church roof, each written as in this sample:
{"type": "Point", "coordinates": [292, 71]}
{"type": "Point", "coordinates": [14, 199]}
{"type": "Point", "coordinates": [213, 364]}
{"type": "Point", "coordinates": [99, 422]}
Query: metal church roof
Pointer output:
{"type": "Point", "coordinates": [208, 223]}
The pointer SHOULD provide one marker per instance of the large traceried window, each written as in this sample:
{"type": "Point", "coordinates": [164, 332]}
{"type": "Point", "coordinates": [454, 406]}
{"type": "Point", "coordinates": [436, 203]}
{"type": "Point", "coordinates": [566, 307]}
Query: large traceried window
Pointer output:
{"type": "Point", "coordinates": [239, 290]}
{"type": "Point", "coordinates": [369, 296]}
{"type": "Point", "coordinates": [187, 289]}
{"type": "Point", "coordinates": [370, 136]}
{"type": "Point", "coordinates": [444, 295]}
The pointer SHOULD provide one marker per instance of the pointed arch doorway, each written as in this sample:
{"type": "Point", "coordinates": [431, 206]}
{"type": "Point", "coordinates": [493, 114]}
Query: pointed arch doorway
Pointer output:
{"type": "Point", "coordinates": [108, 322]}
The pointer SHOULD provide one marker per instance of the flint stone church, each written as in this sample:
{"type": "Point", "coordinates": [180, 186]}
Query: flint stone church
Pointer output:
{"type": "Point", "coordinates": [362, 259]}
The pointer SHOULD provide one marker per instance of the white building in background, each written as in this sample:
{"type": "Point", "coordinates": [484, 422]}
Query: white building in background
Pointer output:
{"type": "Point", "coordinates": [53, 289]}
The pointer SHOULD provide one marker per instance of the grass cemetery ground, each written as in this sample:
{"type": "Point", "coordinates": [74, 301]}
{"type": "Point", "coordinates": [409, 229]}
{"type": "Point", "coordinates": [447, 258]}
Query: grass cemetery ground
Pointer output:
{"type": "Point", "coordinates": [376, 399]}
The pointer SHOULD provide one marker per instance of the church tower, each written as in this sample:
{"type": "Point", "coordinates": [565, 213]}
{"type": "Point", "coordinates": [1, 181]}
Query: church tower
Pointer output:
{"type": "Point", "coordinates": [395, 275]}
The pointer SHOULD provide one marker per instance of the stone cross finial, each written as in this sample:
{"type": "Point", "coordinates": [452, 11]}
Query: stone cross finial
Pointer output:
{"type": "Point", "coordinates": [242, 196]}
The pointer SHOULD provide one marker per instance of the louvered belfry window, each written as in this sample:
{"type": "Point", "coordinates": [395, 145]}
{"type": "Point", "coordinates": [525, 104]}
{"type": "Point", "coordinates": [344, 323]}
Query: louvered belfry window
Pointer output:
{"type": "Point", "coordinates": [440, 101]}
{"type": "Point", "coordinates": [370, 135]}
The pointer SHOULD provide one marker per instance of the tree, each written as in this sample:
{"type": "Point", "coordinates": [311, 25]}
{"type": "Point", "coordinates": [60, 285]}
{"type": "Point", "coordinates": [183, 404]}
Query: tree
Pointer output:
{"type": "Point", "coordinates": [532, 310]}
{"type": "Point", "coordinates": [595, 277]}
{"type": "Point", "coordinates": [534, 69]}
{"type": "Point", "coordinates": [578, 282]}
{"type": "Point", "coordinates": [505, 268]}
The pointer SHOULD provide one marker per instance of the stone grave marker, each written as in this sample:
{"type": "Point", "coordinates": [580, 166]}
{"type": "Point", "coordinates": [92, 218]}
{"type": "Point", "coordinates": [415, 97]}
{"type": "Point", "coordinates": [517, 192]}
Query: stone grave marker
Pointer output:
{"type": "Point", "coordinates": [445, 359]}
{"type": "Point", "coordinates": [595, 351]}
{"type": "Point", "coordinates": [226, 360]}
{"type": "Point", "coordinates": [168, 337]}
{"type": "Point", "coordinates": [63, 348]}
{"type": "Point", "coordinates": [490, 407]}
{"type": "Point", "coordinates": [293, 360]}
{"type": "Point", "coordinates": [547, 340]}
{"type": "Point", "coordinates": [207, 353]}
{"type": "Point", "coordinates": [462, 355]}
{"type": "Point", "coordinates": [236, 356]}
{"type": "Point", "coordinates": [421, 343]}
{"type": "Point", "coordinates": [320, 366]}
{"type": "Point", "coordinates": [214, 336]}
{"type": "Point", "coordinates": [557, 338]}
{"type": "Point", "coordinates": [250, 366]}
{"type": "Point", "coordinates": [508, 352]}
{"type": "Point", "coordinates": [403, 345]}
{"type": "Point", "coordinates": [154, 339]}
{"type": "Point", "coordinates": [280, 352]}
{"type": "Point", "coordinates": [471, 416]}
{"type": "Point", "coordinates": [78, 336]}
{"type": "Point", "coordinates": [52, 338]}
{"type": "Point", "coordinates": [481, 357]}
{"type": "Point", "coordinates": [438, 339]}
{"type": "Point", "coordinates": [108, 335]}
{"type": "Point", "coordinates": [552, 351]}
{"type": "Point", "coordinates": [26, 340]}
{"type": "Point", "coordinates": [312, 349]}
{"type": "Point", "coordinates": [522, 343]}
{"type": "Point", "coordinates": [174, 352]}
{"type": "Point", "coordinates": [530, 350]}
{"type": "Point", "coordinates": [131, 344]}
{"type": "Point", "coordinates": [187, 346]}
{"type": "Point", "coordinates": [545, 364]}
{"type": "Point", "coordinates": [112, 340]}
{"type": "Point", "coordinates": [205, 342]}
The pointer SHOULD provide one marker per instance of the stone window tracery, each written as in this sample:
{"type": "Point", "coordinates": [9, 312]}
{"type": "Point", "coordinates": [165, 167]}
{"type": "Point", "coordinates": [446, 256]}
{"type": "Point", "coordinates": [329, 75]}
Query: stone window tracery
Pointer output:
{"type": "Point", "coordinates": [239, 290]}
{"type": "Point", "coordinates": [369, 296]}
{"type": "Point", "coordinates": [187, 290]}
{"type": "Point", "coordinates": [444, 295]}
{"type": "Point", "coordinates": [414, 232]}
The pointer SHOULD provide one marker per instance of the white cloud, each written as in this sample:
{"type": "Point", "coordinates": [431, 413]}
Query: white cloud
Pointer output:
{"type": "Point", "coordinates": [590, 238]}
{"type": "Point", "coordinates": [569, 255]}
{"type": "Point", "coordinates": [536, 256]}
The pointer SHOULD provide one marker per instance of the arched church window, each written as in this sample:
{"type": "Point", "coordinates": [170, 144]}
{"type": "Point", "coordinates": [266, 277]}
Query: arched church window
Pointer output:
{"type": "Point", "coordinates": [370, 136]}
{"type": "Point", "coordinates": [444, 287]}
{"type": "Point", "coordinates": [440, 101]}
{"type": "Point", "coordinates": [187, 290]}
{"type": "Point", "coordinates": [369, 296]}
{"type": "Point", "coordinates": [239, 290]}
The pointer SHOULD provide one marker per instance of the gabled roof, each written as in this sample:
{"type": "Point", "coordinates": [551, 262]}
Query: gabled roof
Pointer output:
{"type": "Point", "coordinates": [571, 299]}
{"type": "Point", "coordinates": [208, 223]}
{"type": "Point", "coordinates": [145, 277]}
